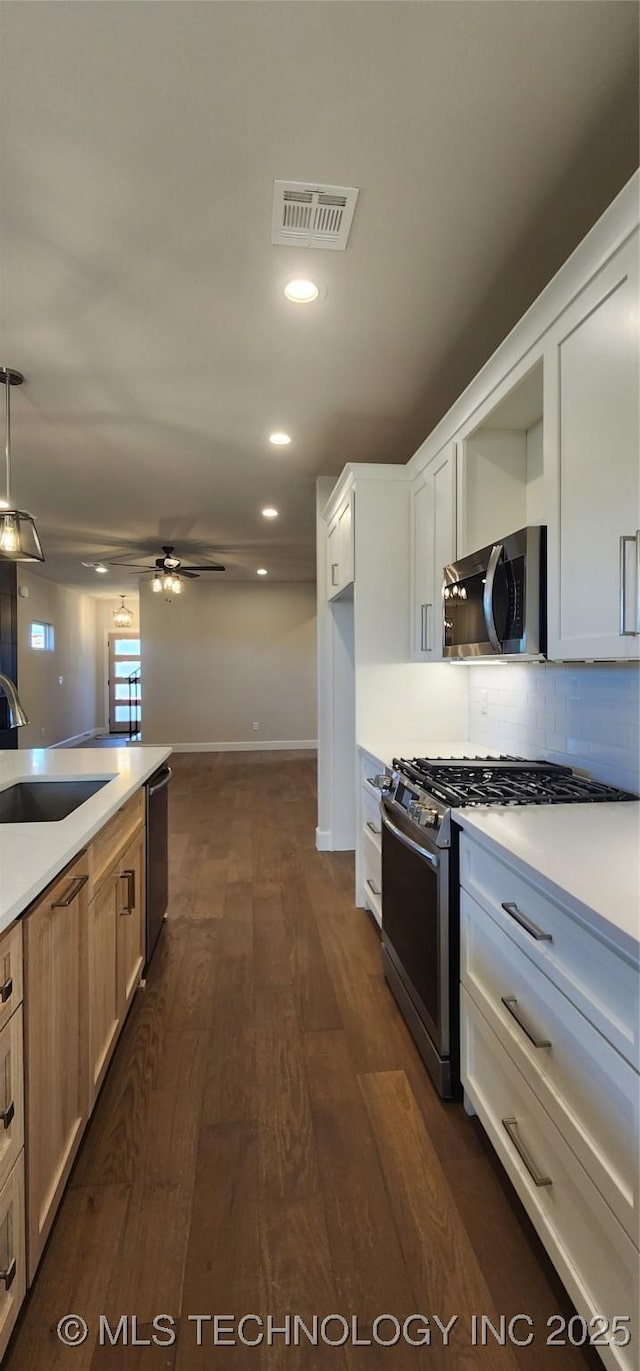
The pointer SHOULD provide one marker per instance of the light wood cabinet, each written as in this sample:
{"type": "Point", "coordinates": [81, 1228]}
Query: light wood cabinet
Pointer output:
{"type": "Point", "coordinates": [116, 952]}
{"type": "Point", "coordinates": [10, 972]}
{"type": "Point", "coordinates": [11, 1094]}
{"type": "Point", "coordinates": [104, 1016]}
{"type": "Point", "coordinates": [55, 931]}
{"type": "Point", "coordinates": [13, 1280]}
{"type": "Point", "coordinates": [340, 549]}
{"type": "Point", "coordinates": [130, 932]}
{"type": "Point", "coordinates": [592, 370]}
{"type": "Point", "coordinates": [433, 543]}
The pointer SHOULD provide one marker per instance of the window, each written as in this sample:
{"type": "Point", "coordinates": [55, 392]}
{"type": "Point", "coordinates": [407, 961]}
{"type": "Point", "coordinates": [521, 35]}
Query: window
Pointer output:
{"type": "Point", "coordinates": [42, 637]}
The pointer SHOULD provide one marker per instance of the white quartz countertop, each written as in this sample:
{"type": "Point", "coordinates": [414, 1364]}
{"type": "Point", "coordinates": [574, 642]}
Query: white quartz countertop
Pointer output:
{"type": "Point", "coordinates": [586, 856]}
{"type": "Point", "coordinates": [31, 855]}
{"type": "Point", "coordinates": [381, 750]}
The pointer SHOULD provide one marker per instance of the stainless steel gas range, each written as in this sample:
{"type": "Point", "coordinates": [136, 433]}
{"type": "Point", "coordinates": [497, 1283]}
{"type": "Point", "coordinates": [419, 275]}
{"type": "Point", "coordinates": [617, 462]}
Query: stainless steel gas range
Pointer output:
{"type": "Point", "coordinates": [420, 916]}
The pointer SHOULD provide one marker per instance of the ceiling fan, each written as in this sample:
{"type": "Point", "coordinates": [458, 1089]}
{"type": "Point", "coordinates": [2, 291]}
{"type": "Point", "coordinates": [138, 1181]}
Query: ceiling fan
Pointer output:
{"type": "Point", "coordinates": [171, 565]}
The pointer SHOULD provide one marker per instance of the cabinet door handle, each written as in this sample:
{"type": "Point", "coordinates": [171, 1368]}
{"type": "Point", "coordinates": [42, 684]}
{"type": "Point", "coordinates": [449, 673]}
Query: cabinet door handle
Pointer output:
{"type": "Point", "coordinates": [373, 890]}
{"type": "Point", "coordinates": [525, 922]}
{"type": "Point", "coordinates": [7, 1114]}
{"type": "Point", "coordinates": [334, 573]}
{"type": "Point", "coordinates": [74, 889]}
{"type": "Point", "coordinates": [425, 626]}
{"type": "Point", "coordinates": [6, 991]}
{"type": "Point", "coordinates": [624, 541]}
{"type": "Point", "coordinates": [130, 878]}
{"type": "Point", "coordinates": [511, 1005]}
{"type": "Point", "coordinates": [510, 1126]}
{"type": "Point", "coordinates": [372, 829]}
{"type": "Point", "coordinates": [8, 1275]}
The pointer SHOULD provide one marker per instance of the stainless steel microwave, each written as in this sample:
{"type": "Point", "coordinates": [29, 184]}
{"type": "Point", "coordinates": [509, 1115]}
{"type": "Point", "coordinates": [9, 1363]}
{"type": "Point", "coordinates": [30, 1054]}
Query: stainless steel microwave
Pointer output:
{"type": "Point", "coordinates": [494, 602]}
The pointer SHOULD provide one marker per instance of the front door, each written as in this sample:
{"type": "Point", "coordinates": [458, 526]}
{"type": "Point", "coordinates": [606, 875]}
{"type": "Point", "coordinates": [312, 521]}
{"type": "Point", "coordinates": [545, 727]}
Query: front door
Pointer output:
{"type": "Point", "coordinates": [124, 683]}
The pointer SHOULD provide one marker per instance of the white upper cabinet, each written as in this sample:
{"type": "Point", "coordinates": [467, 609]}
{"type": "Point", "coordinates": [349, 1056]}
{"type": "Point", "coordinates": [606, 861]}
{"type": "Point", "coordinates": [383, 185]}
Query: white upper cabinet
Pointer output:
{"type": "Point", "coordinates": [592, 468]}
{"type": "Point", "coordinates": [340, 549]}
{"type": "Point", "coordinates": [433, 541]}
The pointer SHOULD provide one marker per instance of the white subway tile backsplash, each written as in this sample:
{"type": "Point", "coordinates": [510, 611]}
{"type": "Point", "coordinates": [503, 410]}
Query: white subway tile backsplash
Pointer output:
{"type": "Point", "coordinates": [582, 716]}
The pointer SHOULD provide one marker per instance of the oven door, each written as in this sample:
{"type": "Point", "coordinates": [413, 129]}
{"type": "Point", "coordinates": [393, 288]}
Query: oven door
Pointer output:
{"type": "Point", "coordinates": [415, 920]}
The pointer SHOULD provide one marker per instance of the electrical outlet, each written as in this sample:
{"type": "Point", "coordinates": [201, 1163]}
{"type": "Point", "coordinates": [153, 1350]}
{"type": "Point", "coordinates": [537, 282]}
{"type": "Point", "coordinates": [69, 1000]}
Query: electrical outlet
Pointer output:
{"type": "Point", "coordinates": [255, 726]}
{"type": "Point", "coordinates": [484, 701]}
{"type": "Point", "coordinates": [60, 680]}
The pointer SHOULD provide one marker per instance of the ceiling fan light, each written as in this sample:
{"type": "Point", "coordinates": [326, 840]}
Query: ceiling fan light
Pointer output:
{"type": "Point", "coordinates": [156, 584]}
{"type": "Point", "coordinates": [177, 585]}
{"type": "Point", "coordinates": [19, 541]}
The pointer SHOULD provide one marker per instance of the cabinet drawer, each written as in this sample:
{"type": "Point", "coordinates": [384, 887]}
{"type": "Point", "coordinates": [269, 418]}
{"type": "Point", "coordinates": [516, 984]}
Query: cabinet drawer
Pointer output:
{"type": "Point", "coordinates": [10, 971]}
{"type": "Point", "coordinates": [13, 1279]}
{"type": "Point", "coordinates": [588, 1089]}
{"type": "Point", "coordinates": [594, 1256]}
{"type": "Point", "coordinates": [108, 844]}
{"type": "Point", "coordinates": [372, 875]}
{"type": "Point", "coordinates": [11, 1093]}
{"type": "Point", "coordinates": [370, 812]}
{"type": "Point", "coordinates": [603, 986]}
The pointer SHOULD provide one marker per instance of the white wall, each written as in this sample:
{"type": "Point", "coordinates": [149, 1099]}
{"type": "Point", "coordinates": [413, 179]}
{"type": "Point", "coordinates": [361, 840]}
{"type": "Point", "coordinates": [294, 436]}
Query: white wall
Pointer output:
{"type": "Point", "coordinates": [578, 715]}
{"type": "Point", "coordinates": [225, 655]}
{"type": "Point", "coordinates": [57, 711]}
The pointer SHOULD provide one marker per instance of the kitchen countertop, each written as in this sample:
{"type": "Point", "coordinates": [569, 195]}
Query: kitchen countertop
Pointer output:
{"type": "Point", "coordinates": [586, 856]}
{"type": "Point", "coordinates": [31, 855]}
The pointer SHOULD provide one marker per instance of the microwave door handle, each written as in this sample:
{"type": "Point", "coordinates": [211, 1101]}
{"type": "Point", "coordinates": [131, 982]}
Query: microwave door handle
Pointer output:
{"type": "Point", "coordinates": [487, 596]}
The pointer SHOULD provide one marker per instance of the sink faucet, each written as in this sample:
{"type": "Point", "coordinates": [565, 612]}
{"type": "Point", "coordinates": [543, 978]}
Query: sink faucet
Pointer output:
{"type": "Point", "coordinates": [17, 716]}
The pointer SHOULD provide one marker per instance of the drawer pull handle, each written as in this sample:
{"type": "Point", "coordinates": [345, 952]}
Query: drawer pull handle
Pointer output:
{"type": "Point", "coordinates": [510, 1003]}
{"type": "Point", "coordinates": [6, 991]}
{"type": "Point", "coordinates": [74, 889]}
{"type": "Point", "coordinates": [510, 1126]}
{"type": "Point", "coordinates": [7, 1114]}
{"type": "Point", "coordinates": [525, 922]}
{"type": "Point", "coordinates": [373, 890]}
{"type": "Point", "coordinates": [8, 1275]}
{"type": "Point", "coordinates": [372, 828]}
{"type": "Point", "coordinates": [130, 878]}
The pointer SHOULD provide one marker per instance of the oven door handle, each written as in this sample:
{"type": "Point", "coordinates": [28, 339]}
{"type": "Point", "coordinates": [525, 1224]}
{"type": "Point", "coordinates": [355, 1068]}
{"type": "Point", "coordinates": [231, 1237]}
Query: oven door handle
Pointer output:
{"type": "Point", "coordinates": [406, 841]}
{"type": "Point", "coordinates": [487, 596]}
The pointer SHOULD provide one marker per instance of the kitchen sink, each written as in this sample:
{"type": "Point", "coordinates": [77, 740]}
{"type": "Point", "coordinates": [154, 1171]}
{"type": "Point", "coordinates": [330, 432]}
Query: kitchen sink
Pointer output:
{"type": "Point", "coordinates": [36, 802]}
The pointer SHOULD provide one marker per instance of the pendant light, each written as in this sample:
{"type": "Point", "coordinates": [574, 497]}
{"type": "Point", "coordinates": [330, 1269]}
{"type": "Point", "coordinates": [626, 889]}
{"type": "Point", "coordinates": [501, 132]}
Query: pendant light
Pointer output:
{"type": "Point", "coordinates": [19, 541]}
{"type": "Point", "coordinates": [122, 617]}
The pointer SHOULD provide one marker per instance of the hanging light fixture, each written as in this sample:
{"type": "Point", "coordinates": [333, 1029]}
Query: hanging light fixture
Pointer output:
{"type": "Point", "coordinates": [19, 541]}
{"type": "Point", "coordinates": [156, 584]}
{"type": "Point", "coordinates": [122, 617]}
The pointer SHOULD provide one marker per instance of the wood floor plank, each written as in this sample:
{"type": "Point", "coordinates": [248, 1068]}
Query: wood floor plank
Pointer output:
{"type": "Point", "coordinates": [72, 1279]}
{"type": "Point", "coordinates": [230, 1083]}
{"type": "Point", "coordinates": [445, 1273]}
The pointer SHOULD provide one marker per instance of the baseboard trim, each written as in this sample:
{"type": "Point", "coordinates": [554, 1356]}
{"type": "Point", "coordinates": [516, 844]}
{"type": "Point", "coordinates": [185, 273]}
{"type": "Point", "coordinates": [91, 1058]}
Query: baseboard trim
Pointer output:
{"type": "Point", "coordinates": [324, 840]}
{"type": "Point", "coordinates": [76, 738]}
{"type": "Point", "coordinates": [290, 745]}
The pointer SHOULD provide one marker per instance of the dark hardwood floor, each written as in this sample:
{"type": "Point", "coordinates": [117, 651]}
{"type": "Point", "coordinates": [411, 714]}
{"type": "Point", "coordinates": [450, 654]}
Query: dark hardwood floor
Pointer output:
{"type": "Point", "coordinates": [267, 1140]}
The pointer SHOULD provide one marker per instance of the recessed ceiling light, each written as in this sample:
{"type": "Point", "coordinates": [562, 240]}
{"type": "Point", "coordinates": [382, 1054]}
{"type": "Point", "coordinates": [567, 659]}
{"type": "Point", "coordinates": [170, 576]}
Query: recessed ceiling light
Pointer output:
{"type": "Point", "coordinates": [269, 513]}
{"type": "Point", "coordinates": [262, 571]}
{"type": "Point", "coordinates": [279, 439]}
{"type": "Point", "coordinates": [101, 569]}
{"type": "Point", "coordinates": [301, 291]}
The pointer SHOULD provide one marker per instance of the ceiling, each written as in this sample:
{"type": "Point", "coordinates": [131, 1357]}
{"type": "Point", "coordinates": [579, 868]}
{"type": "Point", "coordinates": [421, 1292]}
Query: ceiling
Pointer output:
{"type": "Point", "coordinates": [142, 298]}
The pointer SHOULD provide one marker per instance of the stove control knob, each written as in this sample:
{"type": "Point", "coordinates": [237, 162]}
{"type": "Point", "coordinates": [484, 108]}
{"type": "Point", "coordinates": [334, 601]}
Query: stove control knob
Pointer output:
{"type": "Point", "coordinates": [431, 817]}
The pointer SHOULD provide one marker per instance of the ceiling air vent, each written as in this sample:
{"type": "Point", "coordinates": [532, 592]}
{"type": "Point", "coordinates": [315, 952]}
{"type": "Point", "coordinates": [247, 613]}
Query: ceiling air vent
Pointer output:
{"type": "Point", "coordinates": [308, 216]}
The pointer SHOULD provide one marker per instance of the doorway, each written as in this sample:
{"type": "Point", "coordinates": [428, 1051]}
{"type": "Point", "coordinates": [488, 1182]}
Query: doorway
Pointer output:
{"type": "Point", "coordinates": [125, 689]}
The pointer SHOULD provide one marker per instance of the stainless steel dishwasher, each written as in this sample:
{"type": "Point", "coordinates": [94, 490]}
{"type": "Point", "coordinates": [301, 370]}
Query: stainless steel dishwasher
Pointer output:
{"type": "Point", "coordinates": [157, 813]}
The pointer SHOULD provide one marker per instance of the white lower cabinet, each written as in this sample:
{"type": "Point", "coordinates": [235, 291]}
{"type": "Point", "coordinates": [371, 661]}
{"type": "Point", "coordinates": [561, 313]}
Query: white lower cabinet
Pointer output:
{"type": "Point", "coordinates": [593, 1254]}
{"type": "Point", "coordinates": [557, 1096]}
